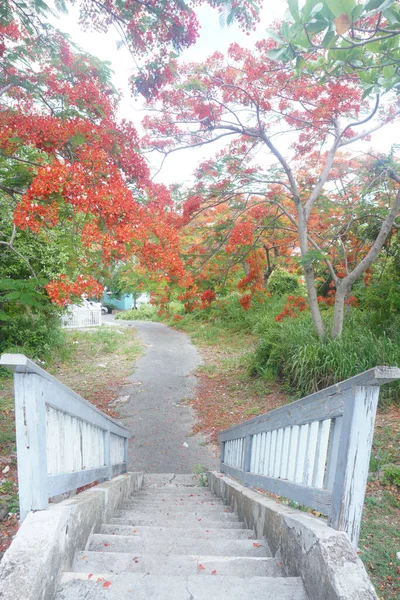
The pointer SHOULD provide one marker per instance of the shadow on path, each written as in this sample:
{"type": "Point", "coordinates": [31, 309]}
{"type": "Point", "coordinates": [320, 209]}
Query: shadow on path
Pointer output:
{"type": "Point", "coordinates": [155, 407]}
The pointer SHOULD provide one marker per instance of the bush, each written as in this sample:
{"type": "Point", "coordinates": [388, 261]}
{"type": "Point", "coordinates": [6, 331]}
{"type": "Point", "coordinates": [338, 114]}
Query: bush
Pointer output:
{"type": "Point", "coordinates": [282, 283]}
{"type": "Point", "coordinates": [291, 351]}
{"type": "Point", "coordinates": [145, 312]}
{"type": "Point", "coordinates": [37, 336]}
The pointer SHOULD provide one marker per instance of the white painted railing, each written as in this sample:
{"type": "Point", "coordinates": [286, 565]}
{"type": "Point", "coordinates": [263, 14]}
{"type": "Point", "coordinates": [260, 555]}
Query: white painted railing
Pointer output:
{"type": "Point", "coordinates": [78, 316]}
{"type": "Point", "coordinates": [314, 451]}
{"type": "Point", "coordinates": [63, 441]}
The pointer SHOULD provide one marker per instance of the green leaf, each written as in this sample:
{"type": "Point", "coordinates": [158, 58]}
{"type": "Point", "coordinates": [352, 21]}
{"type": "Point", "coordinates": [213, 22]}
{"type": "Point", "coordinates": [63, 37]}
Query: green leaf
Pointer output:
{"type": "Point", "coordinates": [4, 316]}
{"type": "Point", "coordinates": [338, 7]}
{"type": "Point", "coordinates": [294, 9]}
{"type": "Point", "coordinates": [300, 63]}
{"type": "Point", "coordinates": [276, 53]}
{"type": "Point", "coordinates": [12, 296]}
{"type": "Point", "coordinates": [329, 39]}
{"type": "Point", "coordinates": [374, 4]}
{"type": "Point", "coordinates": [78, 139]}
{"type": "Point", "coordinates": [317, 27]}
{"type": "Point", "coordinates": [271, 33]}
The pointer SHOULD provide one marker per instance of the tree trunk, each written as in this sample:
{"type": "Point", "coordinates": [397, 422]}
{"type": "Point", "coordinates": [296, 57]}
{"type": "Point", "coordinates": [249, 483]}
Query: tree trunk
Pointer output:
{"type": "Point", "coordinates": [309, 274]}
{"type": "Point", "coordinates": [342, 292]}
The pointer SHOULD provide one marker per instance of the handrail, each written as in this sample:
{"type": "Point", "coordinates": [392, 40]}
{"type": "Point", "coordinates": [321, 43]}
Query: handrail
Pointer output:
{"type": "Point", "coordinates": [63, 441]}
{"type": "Point", "coordinates": [314, 451]}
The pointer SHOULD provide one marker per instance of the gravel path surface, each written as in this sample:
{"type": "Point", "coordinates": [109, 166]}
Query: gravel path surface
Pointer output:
{"type": "Point", "coordinates": [153, 404]}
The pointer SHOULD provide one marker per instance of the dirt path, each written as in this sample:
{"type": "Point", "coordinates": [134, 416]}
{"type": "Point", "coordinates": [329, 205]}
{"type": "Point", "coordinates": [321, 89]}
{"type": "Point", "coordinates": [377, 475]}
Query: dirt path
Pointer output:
{"type": "Point", "coordinates": [154, 404]}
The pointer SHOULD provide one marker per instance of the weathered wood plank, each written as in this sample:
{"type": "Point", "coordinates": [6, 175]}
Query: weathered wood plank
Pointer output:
{"type": "Point", "coordinates": [353, 462]}
{"type": "Point", "coordinates": [65, 482]}
{"type": "Point", "coordinates": [313, 430]}
{"type": "Point", "coordinates": [294, 439]}
{"type": "Point", "coordinates": [30, 425]}
{"type": "Point", "coordinates": [333, 451]}
{"type": "Point", "coordinates": [321, 453]}
{"type": "Point", "coordinates": [316, 499]}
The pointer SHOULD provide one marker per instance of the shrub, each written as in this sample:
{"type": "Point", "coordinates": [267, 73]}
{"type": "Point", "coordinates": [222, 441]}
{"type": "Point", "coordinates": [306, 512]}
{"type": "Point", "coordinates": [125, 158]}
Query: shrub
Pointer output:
{"type": "Point", "coordinates": [282, 283]}
{"type": "Point", "coordinates": [35, 335]}
{"type": "Point", "coordinates": [291, 351]}
{"type": "Point", "coordinates": [145, 312]}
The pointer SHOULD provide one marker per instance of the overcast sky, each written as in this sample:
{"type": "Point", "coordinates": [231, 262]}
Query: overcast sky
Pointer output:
{"type": "Point", "coordinates": [179, 166]}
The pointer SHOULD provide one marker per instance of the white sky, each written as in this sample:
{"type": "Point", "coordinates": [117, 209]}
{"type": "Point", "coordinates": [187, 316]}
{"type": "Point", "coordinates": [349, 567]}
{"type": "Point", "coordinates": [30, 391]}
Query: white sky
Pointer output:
{"type": "Point", "coordinates": [179, 166]}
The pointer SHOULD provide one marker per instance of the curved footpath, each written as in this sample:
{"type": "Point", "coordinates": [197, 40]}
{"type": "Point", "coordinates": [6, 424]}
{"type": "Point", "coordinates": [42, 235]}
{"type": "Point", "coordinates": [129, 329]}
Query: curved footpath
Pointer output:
{"type": "Point", "coordinates": [154, 406]}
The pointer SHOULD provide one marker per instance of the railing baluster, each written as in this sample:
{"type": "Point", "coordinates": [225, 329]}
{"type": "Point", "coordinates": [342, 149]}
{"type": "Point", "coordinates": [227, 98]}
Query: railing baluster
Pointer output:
{"type": "Point", "coordinates": [321, 453]}
{"type": "Point", "coordinates": [310, 453]}
{"type": "Point", "coordinates": [294, 440]}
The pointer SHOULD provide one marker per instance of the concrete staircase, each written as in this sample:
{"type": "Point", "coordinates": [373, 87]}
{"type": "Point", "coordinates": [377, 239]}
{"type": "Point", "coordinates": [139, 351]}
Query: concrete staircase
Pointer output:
{"type": "Point", "coordinates": [174, 540]}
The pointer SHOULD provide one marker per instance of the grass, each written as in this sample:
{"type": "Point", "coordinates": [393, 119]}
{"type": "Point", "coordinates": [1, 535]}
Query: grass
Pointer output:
{"type": "Point", "coordinates": [94, 363]}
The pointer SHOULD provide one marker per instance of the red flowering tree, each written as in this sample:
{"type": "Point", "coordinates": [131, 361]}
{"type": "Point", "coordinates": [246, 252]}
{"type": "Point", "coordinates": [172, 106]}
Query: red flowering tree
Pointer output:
{"type": "Point", "coordinates": [154, 31]}
{"type": "Point", "coordinates": [255, 100]}
{"type": "Point", "coordinates": [66, 162]}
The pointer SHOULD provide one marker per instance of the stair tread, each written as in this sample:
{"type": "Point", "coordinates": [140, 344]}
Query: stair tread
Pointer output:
{"type": "Point", "coordinates": [177, 514]}
{"type": "Point", "coordinates": [178, 522]}
{"type": "Point", "coordinates": [178, 564]}
{"type": "Point", "coordinates": [226, 547]}
{"type": "Point", "coordinates": [161, 533]}
{"type": "Point", "coordinates": [75, 586]}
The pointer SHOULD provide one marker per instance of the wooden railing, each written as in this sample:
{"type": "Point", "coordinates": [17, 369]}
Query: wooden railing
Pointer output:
{"type": "Point", "coordinates": [314, 451]}
{"type": "Point", "coordinates": [63, 441]}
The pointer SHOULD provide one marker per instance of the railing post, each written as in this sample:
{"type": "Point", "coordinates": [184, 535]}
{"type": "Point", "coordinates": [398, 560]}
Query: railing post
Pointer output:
{"type": "Point", "coordinates": [30, 425]}
{"type": "Point", "coordinates": [353, 460]}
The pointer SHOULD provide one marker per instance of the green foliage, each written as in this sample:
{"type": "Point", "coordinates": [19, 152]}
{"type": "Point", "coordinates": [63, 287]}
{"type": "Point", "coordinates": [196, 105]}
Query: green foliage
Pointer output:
{"type": "Point", "coordinates": [391, 475]}
{"type": "Point", "coordinates": [37, 336]}
{"type": "Point", "coordinates": [281, 282]}
{"type": "Point", "coordinates": [145, 312]}
{"type": "Point", "coordinates": [291, 351]}
{"type": "Point", "coordinates": [200, 474]}
{"type": "Point", "coordinates": [329, 26]}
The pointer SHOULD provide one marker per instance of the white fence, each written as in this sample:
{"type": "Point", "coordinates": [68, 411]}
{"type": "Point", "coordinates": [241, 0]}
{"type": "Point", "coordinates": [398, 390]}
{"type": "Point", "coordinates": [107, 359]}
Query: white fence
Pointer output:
{"type": "Point", "coordinates": [81, 316]}
{"type": "Point", "coordinates": [63, 441]}
{"type": "Point", "coordinates": [314, 451]}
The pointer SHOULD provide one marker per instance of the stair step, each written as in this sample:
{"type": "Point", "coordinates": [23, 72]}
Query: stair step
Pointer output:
{"type": "Point", "coordinates": [170, 481]}
{"type": "Point", "coordinates": [172, 507]}
{"type": "Point", "coordinates": [178, 522]}
{"type": "Point", "coordinates": [163, 534]}
{"type": "Point", "coordinates": [76, 586]}
{"type": "Point", "coordinates": [179, 500]}
{"type": "Point", "coordinates": [120, 562]}
{"type": "Point", "coordinates": [219, 547]}
{"type": "Point", "coordinates": [177, 515]}
{"type": "Point", "coordinates": [175, 493]}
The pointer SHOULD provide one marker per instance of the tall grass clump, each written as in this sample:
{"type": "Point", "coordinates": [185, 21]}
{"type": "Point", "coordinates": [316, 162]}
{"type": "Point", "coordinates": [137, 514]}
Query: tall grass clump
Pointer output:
{"type": "Point", "coordinates": [291, 351]}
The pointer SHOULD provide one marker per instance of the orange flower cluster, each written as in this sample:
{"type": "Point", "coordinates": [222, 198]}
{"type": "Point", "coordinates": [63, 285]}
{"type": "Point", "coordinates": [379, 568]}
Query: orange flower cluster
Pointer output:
{"type": "Point", "coordinates": [294, 305]}
{"type": "Point", "coordinates": [62, 291]}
